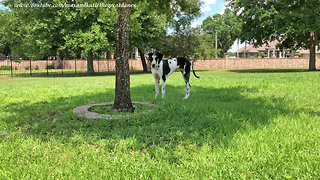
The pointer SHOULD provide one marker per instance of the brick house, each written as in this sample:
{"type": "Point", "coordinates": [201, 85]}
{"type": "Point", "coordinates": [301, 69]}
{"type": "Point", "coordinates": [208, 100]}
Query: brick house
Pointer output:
{"type": "Point", "coordinates": [271, 51]}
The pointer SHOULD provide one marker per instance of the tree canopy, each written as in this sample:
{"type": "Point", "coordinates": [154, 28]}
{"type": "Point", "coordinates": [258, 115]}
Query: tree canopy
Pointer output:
{"type": "Point", "coordinates": [76, 32]}
{"type": "Point", "coordinates": [227, 26]}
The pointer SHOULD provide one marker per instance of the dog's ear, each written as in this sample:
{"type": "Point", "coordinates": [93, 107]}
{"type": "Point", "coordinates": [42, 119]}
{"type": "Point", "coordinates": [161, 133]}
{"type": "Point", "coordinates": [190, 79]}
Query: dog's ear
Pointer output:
{"type": "Point", "coordinates": [150, 56]}
{"type": "Point", "coordinates": [160, 56]}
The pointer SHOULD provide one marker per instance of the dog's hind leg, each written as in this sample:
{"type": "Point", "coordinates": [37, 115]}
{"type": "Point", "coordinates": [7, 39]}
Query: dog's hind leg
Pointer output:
{"type": "Point", "coordinates": [186, 78]}
{"type": "Point", "coordinates": [156, 86]}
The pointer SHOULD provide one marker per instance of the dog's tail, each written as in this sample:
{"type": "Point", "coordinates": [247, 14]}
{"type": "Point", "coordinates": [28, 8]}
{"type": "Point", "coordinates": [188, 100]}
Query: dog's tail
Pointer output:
{"type": "Point", "coordinates": [194, 73]}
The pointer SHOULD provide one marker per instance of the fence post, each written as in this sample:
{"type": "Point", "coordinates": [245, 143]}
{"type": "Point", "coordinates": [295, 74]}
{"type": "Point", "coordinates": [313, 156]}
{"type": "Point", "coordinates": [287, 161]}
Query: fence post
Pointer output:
{"type": "Point", "coordinates": [108, 63]}
{"type": "Point", "coordinates": [62, 66]}
{"type": "Point", "coordinates": [47, 68]}
{"type": "Point", "coordinates": [11, 66]}
{"type": "Point", "coordinates": [98, 64]}
{"type": "Point", "coordinates": [75, 65]}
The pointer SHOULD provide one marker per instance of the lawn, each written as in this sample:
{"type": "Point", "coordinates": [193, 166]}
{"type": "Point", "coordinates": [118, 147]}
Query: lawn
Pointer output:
{"type": "Point", "coordinates": [235, 125]}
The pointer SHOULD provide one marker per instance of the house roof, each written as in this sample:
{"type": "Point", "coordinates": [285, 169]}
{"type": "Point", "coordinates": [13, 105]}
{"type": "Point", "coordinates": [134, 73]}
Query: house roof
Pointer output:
{"type": "Point", "coordinates": [271, 45]}
{"type": "Point", "coordinates": [264, 47]}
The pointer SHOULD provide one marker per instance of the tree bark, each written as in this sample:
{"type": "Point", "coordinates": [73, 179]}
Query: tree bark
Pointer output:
{"type": "Point", "coordinates": [312, 58]}
{"type": "Point", "coordinates": [90, 69]}
{"type": "Point", "coordinates": [122, 102]}
{"type": "Point", "coordinates": [143, 60]}
{"type": "Point", "coordinates": [58, 60]}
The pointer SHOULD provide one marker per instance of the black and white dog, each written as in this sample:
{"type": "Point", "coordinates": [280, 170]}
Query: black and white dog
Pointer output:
{"type": "Point", "coordinates": [161, 69]}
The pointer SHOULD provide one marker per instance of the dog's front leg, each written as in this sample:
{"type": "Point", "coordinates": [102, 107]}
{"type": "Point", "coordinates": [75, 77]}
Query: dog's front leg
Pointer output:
{"type": "Point", "coordinates": [156, 87]}
{"type": "Point", "coordinates": [163, 83]}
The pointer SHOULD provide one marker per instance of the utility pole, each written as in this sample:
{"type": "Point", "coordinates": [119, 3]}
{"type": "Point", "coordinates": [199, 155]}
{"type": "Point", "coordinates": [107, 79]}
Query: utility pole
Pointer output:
{"type": "Point", "coordinates": [238, 48]}
{"type": "Point", "coordinates": [245, 49]}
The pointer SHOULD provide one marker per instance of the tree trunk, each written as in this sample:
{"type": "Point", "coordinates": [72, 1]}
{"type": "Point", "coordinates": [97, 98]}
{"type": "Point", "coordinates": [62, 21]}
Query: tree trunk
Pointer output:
{"type": "Point", "coordinates": [66, 55]}
{"type": "Point", "coordinates": [143, 60]}
{"type": "Point", "coordinates": [122, 102]}
{"type": "Point", "coordinates": [90, 69]}
{"type": "Point", "coordinates": [58, 60]}
{"type": "Point", "coordinates": [312, 59]}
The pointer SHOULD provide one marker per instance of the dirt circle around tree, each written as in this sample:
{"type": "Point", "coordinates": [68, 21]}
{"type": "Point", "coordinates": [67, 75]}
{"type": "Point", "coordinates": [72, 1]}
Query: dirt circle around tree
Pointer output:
{"type": "Point", "coordinates": [84, 112]}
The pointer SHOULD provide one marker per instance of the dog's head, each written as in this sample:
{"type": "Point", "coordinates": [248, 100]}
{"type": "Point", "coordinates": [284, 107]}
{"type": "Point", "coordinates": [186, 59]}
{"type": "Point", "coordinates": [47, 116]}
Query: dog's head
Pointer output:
{"type": "Point", "coordinates": [155, 59]}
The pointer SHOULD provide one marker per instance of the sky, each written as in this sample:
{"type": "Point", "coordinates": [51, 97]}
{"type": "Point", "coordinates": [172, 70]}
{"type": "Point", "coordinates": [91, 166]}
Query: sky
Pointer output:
{"type": "Point", "coordinates": [209, 8]}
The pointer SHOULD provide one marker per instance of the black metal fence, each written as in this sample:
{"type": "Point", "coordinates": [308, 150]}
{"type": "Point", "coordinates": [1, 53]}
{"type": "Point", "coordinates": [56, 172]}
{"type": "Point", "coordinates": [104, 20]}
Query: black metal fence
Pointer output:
{"type": "Point", "coordinates": [18, 67]}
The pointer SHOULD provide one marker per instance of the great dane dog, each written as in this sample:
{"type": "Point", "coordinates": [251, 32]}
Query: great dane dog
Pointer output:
{"type": "Point", "coordinates": [161, 69]}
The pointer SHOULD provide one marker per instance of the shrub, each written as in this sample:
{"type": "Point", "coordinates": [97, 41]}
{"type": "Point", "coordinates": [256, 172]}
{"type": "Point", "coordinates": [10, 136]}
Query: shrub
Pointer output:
{"type": "Point", "coordinates": [262, 54]}
{"type": "Point", "coordinates": [50, 67]}
{"type": "Point", "coordinates": [288, 53]}
{"type": "Point", "coordinates": [5, 67]}
{"type": "Point", "coordinates": [231, 54]}
{"type": "Point", "coordinates": [27, 68]}
{"type": "Point", "coordinates": [298, 54]}
{"type": "Point", "coordinates": [36, 68]}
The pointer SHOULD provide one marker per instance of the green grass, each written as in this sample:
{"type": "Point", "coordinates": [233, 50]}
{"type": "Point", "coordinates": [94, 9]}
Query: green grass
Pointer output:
{"type": "Point", "coordinates": [263, 125]}
{"type": "Point", "coordinates": [57, 73]}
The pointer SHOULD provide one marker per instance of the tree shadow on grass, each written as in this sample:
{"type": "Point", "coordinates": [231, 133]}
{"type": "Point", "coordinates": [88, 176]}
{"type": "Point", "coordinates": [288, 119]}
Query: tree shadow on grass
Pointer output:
{"type": "Point", "coordinates": [209, 117]}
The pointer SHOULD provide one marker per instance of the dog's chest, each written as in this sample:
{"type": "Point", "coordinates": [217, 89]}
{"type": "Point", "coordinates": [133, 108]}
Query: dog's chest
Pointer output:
{"type": "Point", "coordinates": [157, 72]}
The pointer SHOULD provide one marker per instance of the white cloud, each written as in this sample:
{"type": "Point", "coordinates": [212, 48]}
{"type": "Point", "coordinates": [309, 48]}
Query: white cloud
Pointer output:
{"type": "Point", "coordinates": [206, 5]}
{"type": "Point", "coordinates": [196, 24]}
{"type": "Point", "coordinates": [206, 8]}
{"type": "Point", "coordinates": [209, 2]}
{"type": "Point", "coordinates": [223, 10]}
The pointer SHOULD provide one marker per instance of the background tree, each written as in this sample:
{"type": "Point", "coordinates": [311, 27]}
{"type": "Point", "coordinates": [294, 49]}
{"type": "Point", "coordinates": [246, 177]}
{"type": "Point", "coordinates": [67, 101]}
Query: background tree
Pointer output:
{"type": "Point", "coordinates": [293, 23]}
{"type": "Point", "coordinates": [147, 30]}
{"type": "Point", "coordinates": [91, 30]}
{"type": "Point", "coordinates": [39, 30]}
{"type": "Point", "coordinates": [206, 47]}
{"type": "Point", "coordinates": [148, 26]}
{"type": "Point", "coordinates": [182, 43]}
{"type": "Point", "coordinates": [191, 43]}
{"type": "Point", "coordinates": [8, 39]}
{"type": "Point", "coordinates": [62, 31]}
{"type": "Point", "coordinates": [228, 27]}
